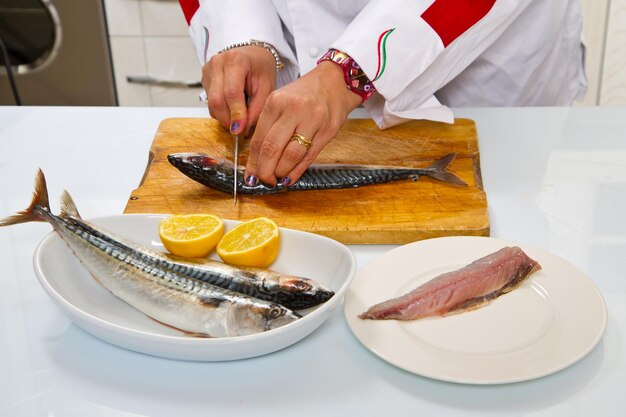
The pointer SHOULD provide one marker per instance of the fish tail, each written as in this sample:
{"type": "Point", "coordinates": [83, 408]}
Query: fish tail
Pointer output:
{"type": "Point", "coordinates": [437, 170]}
{"type": "Point", "coordinates": [68, 207]}
{"type": "Point", "coordinates": [40, 200]}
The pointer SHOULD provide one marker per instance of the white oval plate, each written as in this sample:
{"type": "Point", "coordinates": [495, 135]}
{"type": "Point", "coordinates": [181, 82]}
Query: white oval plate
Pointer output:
{"type": "Point", "coordinates": [549, 322]}
{"type": "Point", "coordinates": [102, 314]}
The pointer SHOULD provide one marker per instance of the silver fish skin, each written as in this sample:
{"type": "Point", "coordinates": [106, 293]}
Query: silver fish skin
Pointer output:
{"type": "Point", "coordinates": [293, 292]}
{"type": "Point", "coordinates": [219, 175]}
{"type": "Point", "coordinates": [171, 298]}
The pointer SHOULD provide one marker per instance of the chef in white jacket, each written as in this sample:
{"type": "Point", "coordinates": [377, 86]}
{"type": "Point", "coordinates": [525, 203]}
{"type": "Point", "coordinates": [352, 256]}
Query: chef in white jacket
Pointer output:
{"type": "Point", "coordinates": [295, 69]}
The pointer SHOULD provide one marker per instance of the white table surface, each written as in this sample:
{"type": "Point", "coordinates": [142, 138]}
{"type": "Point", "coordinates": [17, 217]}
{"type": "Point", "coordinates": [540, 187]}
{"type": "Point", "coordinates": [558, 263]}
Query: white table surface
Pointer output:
{"type": "Point", "coordinates": [555, 178]}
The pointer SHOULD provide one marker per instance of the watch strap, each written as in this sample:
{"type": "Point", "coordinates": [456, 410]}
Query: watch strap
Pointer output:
{"type": "Point", "coordinates": [355, 78]}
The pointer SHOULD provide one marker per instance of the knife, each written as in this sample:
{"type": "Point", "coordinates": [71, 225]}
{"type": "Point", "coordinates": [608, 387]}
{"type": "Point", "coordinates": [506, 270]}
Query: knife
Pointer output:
{"type": "Point", "coordinates": [236, 158]}
{"type": "Point", "coordinates": [235, 162]}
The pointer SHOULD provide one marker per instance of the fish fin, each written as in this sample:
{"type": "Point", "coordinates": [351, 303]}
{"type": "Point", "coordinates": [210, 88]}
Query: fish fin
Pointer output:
{"type": "Point", "coordinates": [40, 199]}
{"type": "Point", "coordinates": [437, 170]}
{"type": "Point", "coordinates": [191, 334]}
{"type": "Point", "coordinates": [198, 335]}
{"type": "Point", "coordinates": [68, 207]}
{"type": "Point", "coordinates": [211, 301]}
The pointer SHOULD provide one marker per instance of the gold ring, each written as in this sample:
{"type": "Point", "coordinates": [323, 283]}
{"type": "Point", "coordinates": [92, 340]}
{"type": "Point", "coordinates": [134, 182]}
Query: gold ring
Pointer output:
{"type": "Point", "coordinates": [301, 140]}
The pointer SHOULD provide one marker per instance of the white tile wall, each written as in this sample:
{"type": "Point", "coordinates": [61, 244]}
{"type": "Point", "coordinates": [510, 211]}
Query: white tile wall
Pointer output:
{"type": "Point", "coordinates": [151, 38]}
{"type": "Point", "coordinates": [173, 59]}
{"type": "Point", "coordinates": [129, 58]}
{"type": "Point", "coordinates": [123, 17]}
{"type": "Point", "coordinates": [170, 97]}
{"type": "Point", "coordinates": [163, 18]}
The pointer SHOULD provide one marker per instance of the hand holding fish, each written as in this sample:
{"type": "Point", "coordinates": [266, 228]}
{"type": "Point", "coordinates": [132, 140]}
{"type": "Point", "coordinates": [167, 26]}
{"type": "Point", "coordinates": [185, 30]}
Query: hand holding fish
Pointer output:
{"type": "Point", "coordinates": [229, 76]}
{"type": "Point", "coordinates": [297, 121]}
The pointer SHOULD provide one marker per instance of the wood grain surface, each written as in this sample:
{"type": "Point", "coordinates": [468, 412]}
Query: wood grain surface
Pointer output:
{"type": "Point", "coordinates": [392, 213]}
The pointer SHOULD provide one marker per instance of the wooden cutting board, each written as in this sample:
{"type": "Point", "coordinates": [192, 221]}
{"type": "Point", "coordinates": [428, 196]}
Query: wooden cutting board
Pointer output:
{"type": "Point", "coordinates": [393, 213]}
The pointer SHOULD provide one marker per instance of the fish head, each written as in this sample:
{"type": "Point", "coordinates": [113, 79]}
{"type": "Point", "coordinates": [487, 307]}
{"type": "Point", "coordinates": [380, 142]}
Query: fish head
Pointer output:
{"type": "Point", "coordinates": [213, 172]}
{"type": "Point", "coordinates": [304, 292]}
{"type": "Point", "coordinates": [259, 318]}
{"type": "Point", "coordinates": [278, 315]}
{"type": "Point", "coordinates": [208, 164]}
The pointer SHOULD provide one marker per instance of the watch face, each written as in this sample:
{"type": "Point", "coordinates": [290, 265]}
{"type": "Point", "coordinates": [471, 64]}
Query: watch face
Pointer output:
{"type": "Point", "coordinates": [355, 78]}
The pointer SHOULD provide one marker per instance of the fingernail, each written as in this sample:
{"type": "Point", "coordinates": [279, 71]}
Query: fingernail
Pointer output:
{"type": "Point", "coordinates": [234, 127]}
{"type": "Point", "coordinates": [251, 180]}
{"type": "Point", "coordinates": [285, 181]}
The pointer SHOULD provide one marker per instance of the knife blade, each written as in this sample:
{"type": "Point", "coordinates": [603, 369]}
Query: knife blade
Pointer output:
{"type": "Point", "coordinates": [236, 156]}
{"type": "Point", "coordinates": [235, 165]}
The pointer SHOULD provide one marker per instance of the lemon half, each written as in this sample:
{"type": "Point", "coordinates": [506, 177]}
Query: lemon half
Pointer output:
{"type": "Point", "coordinates": [191, 235]}
{"type": "Point", "coordinates": [252, 243]}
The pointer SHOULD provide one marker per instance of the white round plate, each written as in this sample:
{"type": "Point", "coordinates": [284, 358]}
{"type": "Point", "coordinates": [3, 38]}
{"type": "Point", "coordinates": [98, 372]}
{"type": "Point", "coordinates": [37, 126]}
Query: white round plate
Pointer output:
{"type": "Point", "coordinates": [102, 314]}
{"type": "Point", "coordinates": [549, 322]}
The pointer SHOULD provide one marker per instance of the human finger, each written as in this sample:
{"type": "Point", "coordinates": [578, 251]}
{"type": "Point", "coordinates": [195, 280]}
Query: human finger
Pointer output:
{"type": "Point", "coordinates": [256, 101]}
{"type": "Point", "coordinates": [271, 150]}
{"type": "Point", "coordinates": [317, 144]}
{"type": "Point", "coordinates": [234, 94]}
{"type": "Point", "coordinates": [268, 116]}
{"type": "Point", "coordinates": [294, 151]}
{"type": "Point", "coordinates": [205, 81]}
{"type": "Point", "coordinates": [266, 146]}
{"type": "Point", "coordinates": [214, 87]}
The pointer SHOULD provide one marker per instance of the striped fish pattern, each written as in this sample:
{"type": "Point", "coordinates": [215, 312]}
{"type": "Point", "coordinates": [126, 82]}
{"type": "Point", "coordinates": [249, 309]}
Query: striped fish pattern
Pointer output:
{"type": "Point", "coordinates": [161, 292]}
{"type": "Point", "coordinates": [293, 292]}
{"type": "Point", "coordinates": [219, 175]}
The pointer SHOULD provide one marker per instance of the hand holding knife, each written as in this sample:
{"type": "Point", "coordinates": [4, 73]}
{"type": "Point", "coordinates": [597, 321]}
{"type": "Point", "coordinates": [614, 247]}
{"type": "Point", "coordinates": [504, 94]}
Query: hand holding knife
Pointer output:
{"type": "Point", "coordinates": [236, 138]}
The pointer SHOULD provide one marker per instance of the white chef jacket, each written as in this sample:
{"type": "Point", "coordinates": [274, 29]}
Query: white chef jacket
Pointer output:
{"type": "Point", "coordinates": [421, 55]}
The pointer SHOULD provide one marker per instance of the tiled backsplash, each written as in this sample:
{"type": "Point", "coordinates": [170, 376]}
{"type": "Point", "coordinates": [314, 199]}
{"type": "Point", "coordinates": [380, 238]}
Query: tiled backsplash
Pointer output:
{"type": "Point", "coordinates": [149, 38]}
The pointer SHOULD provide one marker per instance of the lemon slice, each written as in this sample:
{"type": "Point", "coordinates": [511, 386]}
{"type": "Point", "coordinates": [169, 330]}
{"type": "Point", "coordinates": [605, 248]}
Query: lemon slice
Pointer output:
{"type": "Point", "coordinates": [252, 243]}
{"type": "Point", "coordinates": [191, 235]}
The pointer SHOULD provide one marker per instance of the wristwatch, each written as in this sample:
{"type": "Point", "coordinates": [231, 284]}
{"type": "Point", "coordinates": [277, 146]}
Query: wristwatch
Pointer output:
{"type": "Point", "coordinates": [356, 80]}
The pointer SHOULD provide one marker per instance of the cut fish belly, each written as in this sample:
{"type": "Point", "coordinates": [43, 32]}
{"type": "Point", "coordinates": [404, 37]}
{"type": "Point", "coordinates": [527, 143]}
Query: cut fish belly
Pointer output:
{"type": "Point", "coordinates": [467, 288]}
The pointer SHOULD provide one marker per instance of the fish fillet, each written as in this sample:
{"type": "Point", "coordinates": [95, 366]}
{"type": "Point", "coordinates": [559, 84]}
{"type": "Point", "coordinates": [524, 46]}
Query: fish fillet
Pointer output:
{"type": "Point", "coordinates": [467, 288]}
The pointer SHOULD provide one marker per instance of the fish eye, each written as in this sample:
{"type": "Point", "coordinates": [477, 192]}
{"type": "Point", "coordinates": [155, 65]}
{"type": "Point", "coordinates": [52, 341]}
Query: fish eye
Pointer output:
{"type": "Point", "coordinates": [275, 312]}
{"type": "Point", "coordinates": [302, 286]}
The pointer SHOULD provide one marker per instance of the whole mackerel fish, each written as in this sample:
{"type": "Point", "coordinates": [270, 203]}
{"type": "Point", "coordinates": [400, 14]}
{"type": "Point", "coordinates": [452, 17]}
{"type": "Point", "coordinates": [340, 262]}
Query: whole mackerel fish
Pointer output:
{"type": "Point", "coordinates": [172, 298]}
{"type": "Point", "coordinates": [468, 288]}
{"type": "Point", "coordinates": [293, 292]}
{"type": "Point", "coordinates": [219, 174]}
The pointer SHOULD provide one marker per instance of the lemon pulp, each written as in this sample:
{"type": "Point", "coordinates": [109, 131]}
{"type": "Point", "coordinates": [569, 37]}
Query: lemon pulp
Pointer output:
{"type": "Point", "coordinates": [191, 235]}
{"type": "Point", "coordinates": [253, 243]}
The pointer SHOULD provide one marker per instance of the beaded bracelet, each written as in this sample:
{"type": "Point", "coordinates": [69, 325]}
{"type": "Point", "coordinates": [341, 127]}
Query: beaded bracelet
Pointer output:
{"type": "Point", "coordinates": [254, 42]}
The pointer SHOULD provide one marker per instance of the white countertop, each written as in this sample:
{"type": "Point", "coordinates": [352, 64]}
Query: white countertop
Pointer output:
{"type": "Point", "coordinates": [555, 178]}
